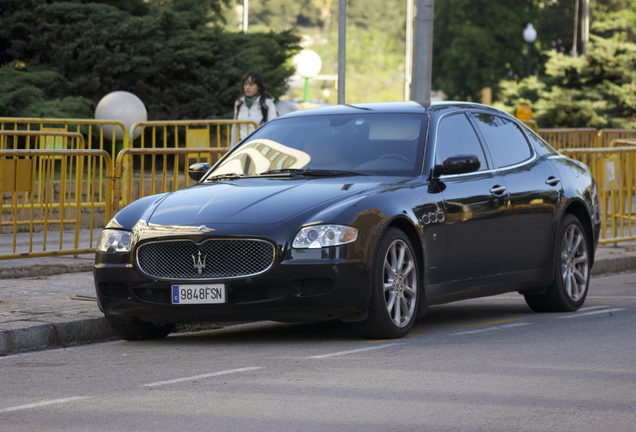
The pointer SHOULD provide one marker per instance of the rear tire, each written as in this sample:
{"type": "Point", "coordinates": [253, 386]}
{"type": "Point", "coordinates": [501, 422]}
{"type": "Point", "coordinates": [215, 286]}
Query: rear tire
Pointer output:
{"type": "Point", "coordinates": [394, 289]}
{"type": "Point", "coordinates": [571, 271]}
{"type": "Point", "coordinates": [134, 329]}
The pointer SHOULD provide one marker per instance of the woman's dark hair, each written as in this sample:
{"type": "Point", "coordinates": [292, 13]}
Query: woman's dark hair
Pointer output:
{"type": "Point", "coordinates": [258, 80]}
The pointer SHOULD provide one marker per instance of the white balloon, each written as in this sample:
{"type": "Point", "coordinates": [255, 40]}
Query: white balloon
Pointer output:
{"type": "Point", "coordinates": [122, 106]}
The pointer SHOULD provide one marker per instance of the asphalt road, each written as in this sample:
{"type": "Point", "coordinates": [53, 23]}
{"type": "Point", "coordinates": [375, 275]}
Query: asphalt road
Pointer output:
{"type": "Point", "coordinates": [479, 365]}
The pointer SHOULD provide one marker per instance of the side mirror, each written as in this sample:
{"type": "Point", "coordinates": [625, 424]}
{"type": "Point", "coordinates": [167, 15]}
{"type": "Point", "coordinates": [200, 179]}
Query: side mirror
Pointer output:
{"type": "Point", "coordinates": [460, 164]}
{"type": "Point", "coordinates": [197, 171]}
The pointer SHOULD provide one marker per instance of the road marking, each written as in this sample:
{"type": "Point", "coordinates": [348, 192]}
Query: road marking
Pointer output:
{"type": "Point", "coordinates": [493, 328]}
{"type": "Point", "coordinates": [585, 309]}
{"type": "Point", "coordinates": [596, 312]}
{"type": "Point", "coordinates": [196, 377]}
{"type": "Point", "coordinates": [495, 322]}
{"type": "Point", "coordinates": [341, 353]}
{"type": "Point", "coordinates": [44, 403]}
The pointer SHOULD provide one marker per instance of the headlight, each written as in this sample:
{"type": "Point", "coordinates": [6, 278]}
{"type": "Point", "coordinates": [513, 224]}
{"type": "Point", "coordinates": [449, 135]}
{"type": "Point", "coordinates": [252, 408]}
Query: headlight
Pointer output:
{"type": "Point", "coordinates": [319, 236]}
{"type": "Point", "coordinates": [113, 241]}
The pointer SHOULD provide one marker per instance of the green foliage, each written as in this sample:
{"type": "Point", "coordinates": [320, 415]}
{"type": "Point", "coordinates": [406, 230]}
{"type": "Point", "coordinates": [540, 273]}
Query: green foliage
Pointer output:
{"type": "Point", "coordinates": [375, 42]}
{"type": "Point", "coordinates": [514, 92]}
{"type": "Point", "coordinates": [375, 50]}
{"type": "Point", "coordinates": [377, 16]}
{"type": "Point", "coordinates": [614, 17]}
{"type": "Point", "coordinates": [196, 13]}
{"type": "Point", "coordinates": [163, 51]}
{"type": "Point", "coordinates": [554, 22]}
{"type": "Point", "coordinates": [375, 71]}
{"type": "Point", "coordinates": [573, 109]}
{"type": "Point", "coordinates": [378, 53]}
{"type": "Point", "coordinates": [597, 90]}
{"type": "Point", "coordinates": [180, 58]}
{"type": "Point", "coordinates": [476, 43]}
{"type": "Point", "coordinates": [268, 14]}
{"type": "Point", "coordinates": [38, 94]}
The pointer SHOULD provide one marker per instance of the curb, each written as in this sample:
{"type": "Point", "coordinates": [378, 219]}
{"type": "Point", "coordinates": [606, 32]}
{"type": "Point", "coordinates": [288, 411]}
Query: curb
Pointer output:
{"type": "Point", "coordinates": [43, 270]}
{"type": "Point", "coordinates": [29, 336]}
{"type": "Point", "coordinates": [617, 264]}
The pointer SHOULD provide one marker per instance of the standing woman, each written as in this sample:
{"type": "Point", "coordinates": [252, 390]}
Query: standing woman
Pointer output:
{"type": "Point", "coordinates": [254, 103]}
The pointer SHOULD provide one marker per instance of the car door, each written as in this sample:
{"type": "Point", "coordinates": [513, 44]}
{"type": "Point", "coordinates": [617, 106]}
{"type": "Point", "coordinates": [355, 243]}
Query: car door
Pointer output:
{"type": "Point", "coordinates": [474, 207]}
{"type": "Point", "coordinates": [534, 188]}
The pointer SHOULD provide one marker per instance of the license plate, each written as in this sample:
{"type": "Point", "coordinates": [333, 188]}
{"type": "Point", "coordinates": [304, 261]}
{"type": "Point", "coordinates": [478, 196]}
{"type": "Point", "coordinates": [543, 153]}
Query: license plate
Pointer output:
{"type": "Point", "coordinates": [201, 294]}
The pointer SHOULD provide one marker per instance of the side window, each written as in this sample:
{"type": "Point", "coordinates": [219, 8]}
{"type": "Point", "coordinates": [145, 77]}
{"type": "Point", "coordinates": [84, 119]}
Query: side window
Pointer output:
{"type": "Point", "coordinates": [542, 147]}
{"type": "Point", "coordinates": [507, 144]}
{"type": "Point", "coordinates": [456, 136]}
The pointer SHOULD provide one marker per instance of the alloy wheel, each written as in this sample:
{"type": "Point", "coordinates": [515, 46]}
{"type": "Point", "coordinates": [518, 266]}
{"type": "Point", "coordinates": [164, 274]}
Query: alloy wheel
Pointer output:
{"type": "Point", "coordinates": [400, 283]}
{"type": "Point", "coordinates": [574, 263]}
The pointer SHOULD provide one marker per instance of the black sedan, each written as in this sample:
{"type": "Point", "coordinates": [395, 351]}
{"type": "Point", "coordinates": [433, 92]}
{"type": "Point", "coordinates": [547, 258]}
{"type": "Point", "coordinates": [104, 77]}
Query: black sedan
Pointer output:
{"type": "Point", "coordinates": [365, 213]}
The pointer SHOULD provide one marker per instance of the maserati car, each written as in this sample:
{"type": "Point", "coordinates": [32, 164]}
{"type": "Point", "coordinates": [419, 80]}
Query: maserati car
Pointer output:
{"type": "Point", "coordinates": [367, 213]}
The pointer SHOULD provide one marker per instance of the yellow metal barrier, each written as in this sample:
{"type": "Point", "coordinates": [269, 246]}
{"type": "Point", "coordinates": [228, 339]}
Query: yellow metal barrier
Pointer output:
{"type": "Point", "coordinates": [98, 134]}
{"type": "Point", "coordinates": [51, 198]}
{"type": "Point", "coordinates": [156, 170]}
{"type": "Point", "coordinates": [606, 136]}
{"type": "Point", "coordinates": [570, 138]}
{"type": "Point", "coordinates": [187, 133]}
{"type": "Point", "coordinates": [613, 169]}
{"type": "Point", "coordinates": [622, 143]}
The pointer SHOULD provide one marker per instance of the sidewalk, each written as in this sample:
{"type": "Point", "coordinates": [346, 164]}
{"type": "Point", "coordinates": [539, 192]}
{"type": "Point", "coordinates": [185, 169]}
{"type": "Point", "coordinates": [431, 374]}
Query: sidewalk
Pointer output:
{"type": "Point", "coordinates": [50, 302]}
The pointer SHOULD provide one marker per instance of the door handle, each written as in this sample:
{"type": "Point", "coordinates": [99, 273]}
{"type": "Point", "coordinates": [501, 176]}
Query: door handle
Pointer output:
{"type": "Point", "coordinates": [497, 190]}
{"type": "Point", "coordinates": [552, 181]}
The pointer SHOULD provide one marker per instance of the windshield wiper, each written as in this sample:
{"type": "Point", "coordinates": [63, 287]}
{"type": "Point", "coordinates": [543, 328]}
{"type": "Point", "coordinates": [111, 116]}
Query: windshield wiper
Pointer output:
{"type": "Point", "coordinates": [330, 173]}
{"type": "Point", "coordinates": [308, 172]}
{"type": "Point", "coordinates": [227, 176]}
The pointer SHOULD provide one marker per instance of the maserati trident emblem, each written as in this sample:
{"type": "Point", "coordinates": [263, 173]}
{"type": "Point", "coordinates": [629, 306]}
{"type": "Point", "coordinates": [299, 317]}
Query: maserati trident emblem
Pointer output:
{"type": "Point", "coordinates": [199, 262]}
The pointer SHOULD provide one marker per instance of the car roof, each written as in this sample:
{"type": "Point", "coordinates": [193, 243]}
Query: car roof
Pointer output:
{"type": "Point", "coordinates": [437, 107]}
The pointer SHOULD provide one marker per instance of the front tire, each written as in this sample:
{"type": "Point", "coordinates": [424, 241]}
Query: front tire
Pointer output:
{"type": "Point", "coordinates": [571, 271]}
{"type": "Point", "coordinates": [394, 289]}
{"type": "Point", "coordinates": [135, 329]}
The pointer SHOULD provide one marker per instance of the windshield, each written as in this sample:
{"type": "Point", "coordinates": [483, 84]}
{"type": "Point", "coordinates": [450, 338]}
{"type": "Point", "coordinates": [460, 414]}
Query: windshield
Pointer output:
{"type": "Point", "coordinates": [358, 144]}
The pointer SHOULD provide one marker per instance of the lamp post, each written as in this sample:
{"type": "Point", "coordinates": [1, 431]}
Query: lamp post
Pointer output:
{"type": "Point", "coordinates": [307, 64]}
{"type": "Point", "coordinates": [421, 77]}
{"type": "Point", "coordinates": [342, 50]}
{"type": "Point", "coordinates": [529, 35]}
{"type": "Point", "coordinates": [246, 9]}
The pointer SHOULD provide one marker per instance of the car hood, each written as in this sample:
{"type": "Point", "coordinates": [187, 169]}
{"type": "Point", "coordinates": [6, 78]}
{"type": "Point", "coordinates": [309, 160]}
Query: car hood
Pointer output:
{"type": "Point", "coordinates": [253, 200]}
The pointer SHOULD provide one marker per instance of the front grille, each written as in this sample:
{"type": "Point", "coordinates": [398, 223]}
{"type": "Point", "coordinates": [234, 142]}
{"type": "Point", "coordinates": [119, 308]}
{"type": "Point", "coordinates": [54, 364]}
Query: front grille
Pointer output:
{"type": "Point", "coordinates": [212, 259]}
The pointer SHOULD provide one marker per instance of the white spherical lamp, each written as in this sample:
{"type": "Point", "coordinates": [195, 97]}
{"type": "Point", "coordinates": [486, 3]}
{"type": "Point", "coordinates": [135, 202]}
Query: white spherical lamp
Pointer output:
{"type": "Point", "coordinates": [307, 63]}
{"type": "Point", "coordinates": [122, 106]}
{"type": "Point", "coordinates": [529, 34]}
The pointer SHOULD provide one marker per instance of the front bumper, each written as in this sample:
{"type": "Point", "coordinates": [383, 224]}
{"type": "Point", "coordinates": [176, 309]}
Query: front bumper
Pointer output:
{"type": "Point", "coordinates": [312, 286]}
